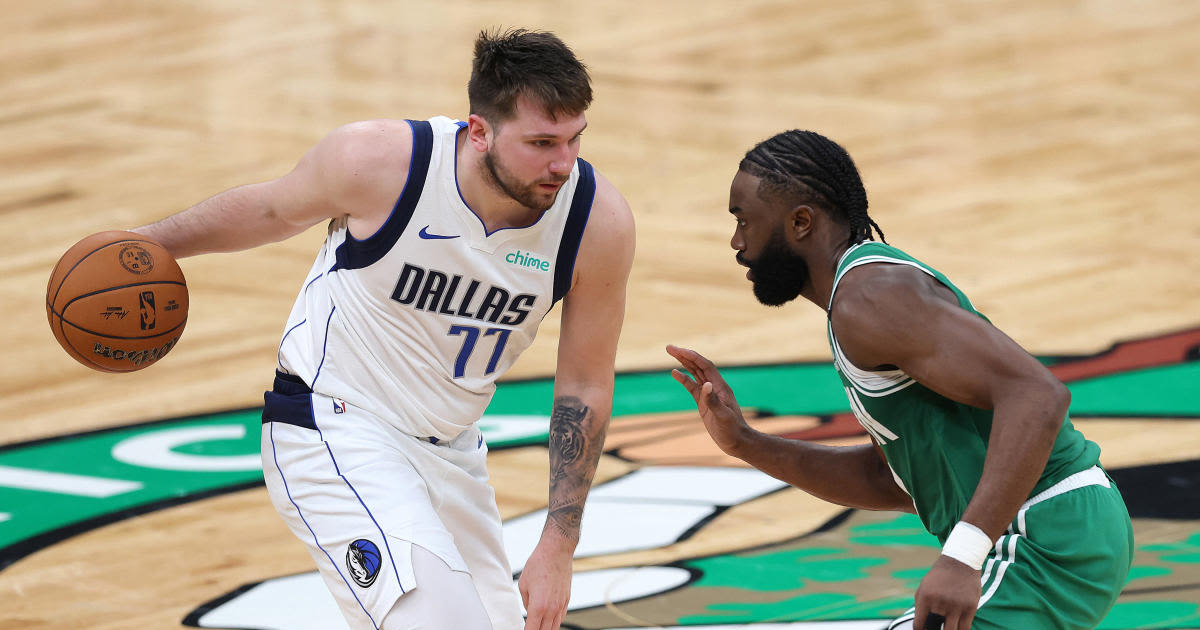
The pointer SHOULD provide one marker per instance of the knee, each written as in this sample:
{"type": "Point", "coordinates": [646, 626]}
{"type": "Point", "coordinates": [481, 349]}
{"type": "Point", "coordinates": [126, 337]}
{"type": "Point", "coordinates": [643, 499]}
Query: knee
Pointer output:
{"type": "Point", "coordinates": [443, 598]}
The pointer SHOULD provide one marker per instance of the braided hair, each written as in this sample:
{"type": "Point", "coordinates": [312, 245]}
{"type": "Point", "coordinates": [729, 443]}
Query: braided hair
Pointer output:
{"type": "Point", "coordinates": [809, 168]}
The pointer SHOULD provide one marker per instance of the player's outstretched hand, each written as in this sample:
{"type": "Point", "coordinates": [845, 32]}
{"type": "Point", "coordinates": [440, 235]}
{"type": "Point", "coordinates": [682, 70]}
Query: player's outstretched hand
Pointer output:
{"type": "Point", "coordinates": [714, 398]}
{"type": "Point", "coordinates": [948, 596]}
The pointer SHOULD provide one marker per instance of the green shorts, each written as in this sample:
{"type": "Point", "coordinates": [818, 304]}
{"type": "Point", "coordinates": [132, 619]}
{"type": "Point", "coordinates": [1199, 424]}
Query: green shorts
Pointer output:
{"type": "Point", "coordinates": [1062, 562]}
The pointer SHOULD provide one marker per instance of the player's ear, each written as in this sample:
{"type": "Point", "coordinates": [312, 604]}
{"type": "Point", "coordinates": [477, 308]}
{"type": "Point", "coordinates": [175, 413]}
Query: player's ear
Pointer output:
{"type": "Point", "coordinates": [800, 221]}
{"type": "Point", "coordinates": [479, 132]}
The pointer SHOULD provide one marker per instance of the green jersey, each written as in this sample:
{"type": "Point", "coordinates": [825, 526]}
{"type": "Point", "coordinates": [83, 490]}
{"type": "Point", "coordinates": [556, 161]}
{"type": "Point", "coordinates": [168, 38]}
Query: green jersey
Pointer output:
{"type": "Point", "coordinates": [934, 446]}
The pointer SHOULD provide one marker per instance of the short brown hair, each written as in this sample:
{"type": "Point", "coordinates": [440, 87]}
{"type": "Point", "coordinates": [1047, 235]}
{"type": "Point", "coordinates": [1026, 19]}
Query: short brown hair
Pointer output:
{"type": "Point", "coordinates": [535, 64]}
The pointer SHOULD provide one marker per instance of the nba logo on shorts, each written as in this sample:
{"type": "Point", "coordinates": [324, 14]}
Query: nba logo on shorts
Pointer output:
{"type": "Point", "coordinates": [363, 560]}
{"type": "Point", "coordinates": [339, 405]}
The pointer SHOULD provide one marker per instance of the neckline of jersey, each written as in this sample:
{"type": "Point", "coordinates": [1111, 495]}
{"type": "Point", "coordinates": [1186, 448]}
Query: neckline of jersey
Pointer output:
{"type": "Point", "coordinates": [839, 273]}
{"type": "Point", "coordinates": [486, 234]}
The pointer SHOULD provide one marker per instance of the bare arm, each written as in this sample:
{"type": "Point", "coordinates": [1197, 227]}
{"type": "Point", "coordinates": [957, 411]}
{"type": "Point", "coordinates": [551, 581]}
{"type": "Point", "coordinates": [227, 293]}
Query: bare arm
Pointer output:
{"type": "Point", "coordinates": [593, 312]}
{"type": "Point", "coordinates": [854, 476]}
{"type": "Point", "coordinates": [592, 315]}
{"type": "Point", "coordinates": [896, 315]}
{"type": "Point", "coordinates": [352, 171]}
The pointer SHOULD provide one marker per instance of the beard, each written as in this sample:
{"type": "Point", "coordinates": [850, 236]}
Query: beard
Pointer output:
{"type": "Point", "coordinates": [527, 195]}
{"type": "Point", "coordinates": [779, 275]}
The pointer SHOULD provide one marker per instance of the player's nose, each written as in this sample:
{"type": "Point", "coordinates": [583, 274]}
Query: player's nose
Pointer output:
{"type": "Point", "coordinates": [561, 167]}
{"type": "Point", "coordinates": [737, 242]}
{"type": "Point", "coordinates": [563, 160]}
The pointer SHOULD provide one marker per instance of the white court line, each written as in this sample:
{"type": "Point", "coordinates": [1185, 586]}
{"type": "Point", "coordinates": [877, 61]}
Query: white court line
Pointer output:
{"type": "Point", "coordinates": [64, 483]}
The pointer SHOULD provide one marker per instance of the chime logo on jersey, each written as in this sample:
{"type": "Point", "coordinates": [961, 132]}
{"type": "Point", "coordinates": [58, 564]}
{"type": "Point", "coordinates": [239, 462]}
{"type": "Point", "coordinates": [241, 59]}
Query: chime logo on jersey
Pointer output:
{"type": "Point", "coordinates": [363, 561]}
{"type": "Point", "coordinates": [527, 260]}
{"type": "Point", "coordinates": [451, 294]}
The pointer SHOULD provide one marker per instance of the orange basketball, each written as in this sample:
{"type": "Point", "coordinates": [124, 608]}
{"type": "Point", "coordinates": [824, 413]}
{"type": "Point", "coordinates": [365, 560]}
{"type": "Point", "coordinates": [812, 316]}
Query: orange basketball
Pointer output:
{"type": "Point", "coordinates": [117, 301]}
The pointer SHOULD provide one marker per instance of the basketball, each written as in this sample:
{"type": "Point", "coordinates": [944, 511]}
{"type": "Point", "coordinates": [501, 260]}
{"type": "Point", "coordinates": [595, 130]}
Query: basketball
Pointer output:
{"type": "Point", "coordinates": [117, 301]}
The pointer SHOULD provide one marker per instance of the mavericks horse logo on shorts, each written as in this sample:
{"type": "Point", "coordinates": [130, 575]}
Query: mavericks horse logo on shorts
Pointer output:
{"type": "Point", "coordinates": [363, 560]}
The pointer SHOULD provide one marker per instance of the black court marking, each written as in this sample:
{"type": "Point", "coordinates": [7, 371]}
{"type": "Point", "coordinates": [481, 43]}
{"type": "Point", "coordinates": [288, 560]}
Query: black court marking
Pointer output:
{"type": "Point", "coordinates": [15, 552]}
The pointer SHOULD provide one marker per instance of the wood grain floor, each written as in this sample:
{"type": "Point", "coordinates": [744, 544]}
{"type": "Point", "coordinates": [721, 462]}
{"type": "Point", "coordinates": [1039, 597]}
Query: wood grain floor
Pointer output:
{"type": "Point", "coordinates": [1046, 156]}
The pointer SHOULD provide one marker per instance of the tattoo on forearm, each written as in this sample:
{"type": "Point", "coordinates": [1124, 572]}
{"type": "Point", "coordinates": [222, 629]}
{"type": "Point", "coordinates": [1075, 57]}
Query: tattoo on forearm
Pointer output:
{"type": "Point", "coordinates": [567, 519]}
{"type": "Point", "coordinates": [573, 455]}
{"type": "Point", "coordinates": [567, 440]}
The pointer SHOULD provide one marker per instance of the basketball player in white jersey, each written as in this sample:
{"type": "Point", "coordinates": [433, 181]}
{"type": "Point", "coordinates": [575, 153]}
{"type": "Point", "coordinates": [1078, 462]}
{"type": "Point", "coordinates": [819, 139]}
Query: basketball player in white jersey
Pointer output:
{"type": "Point", "coordinates": [448, 243]}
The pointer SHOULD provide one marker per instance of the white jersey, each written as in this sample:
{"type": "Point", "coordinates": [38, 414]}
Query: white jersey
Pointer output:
{"type": "Point", "coordinates": [416, 322]}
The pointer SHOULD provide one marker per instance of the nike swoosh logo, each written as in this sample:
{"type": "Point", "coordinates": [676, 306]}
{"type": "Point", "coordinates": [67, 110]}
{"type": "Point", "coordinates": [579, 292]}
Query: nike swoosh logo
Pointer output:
{"type": "Point", "coordinates": [424, 233]}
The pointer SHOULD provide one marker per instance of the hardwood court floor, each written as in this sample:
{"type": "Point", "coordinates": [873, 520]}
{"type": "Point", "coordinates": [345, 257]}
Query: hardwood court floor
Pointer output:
{"type": "Point", "coordinates": [1044, 155]}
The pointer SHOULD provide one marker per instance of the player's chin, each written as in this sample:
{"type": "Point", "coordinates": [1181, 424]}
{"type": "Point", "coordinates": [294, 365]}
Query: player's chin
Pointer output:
{"type": "Point", "coordinates": [544, 200]}
{"type": "Point", "coordinates": [769, 294]}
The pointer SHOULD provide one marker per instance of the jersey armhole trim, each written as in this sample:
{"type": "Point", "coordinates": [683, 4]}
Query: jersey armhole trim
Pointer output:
{"type": "Point", "coordinates": [357, 254]}
{"type": "Point", "coordinates": [577, 217]}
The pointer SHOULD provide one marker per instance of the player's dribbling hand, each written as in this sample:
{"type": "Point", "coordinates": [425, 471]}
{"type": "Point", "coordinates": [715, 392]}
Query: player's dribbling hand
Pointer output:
{"type": "Point", "coordinates": [714, 398]}
{"type": "Point", "coordinates": [950, 590]}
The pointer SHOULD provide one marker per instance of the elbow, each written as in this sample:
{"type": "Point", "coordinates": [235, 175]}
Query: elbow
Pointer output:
{"type": "Point", "coordinates": [1061, 397]}
{"type": "Point", "coordinates": [897, 500]}
{"type": "Point", "coordinates": [1058, 400]}
{"type": "Point", "coordinates": [1041, 404]}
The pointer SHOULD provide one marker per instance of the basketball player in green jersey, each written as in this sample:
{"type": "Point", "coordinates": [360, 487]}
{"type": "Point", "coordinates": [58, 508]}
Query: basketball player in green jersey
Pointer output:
{"type": "Point", "coordinates": [968, 430]}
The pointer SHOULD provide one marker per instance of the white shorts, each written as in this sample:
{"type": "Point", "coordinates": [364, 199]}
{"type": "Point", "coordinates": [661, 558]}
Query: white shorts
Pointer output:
{"type": "Point", "coordinates": [359, 494]}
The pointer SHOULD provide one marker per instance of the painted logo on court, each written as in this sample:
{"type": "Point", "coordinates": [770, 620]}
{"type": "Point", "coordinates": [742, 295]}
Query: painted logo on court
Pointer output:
{"type": "Point", "coordinates": [363, 560]}
{"type": "Point", "coordinates": [855, 570]}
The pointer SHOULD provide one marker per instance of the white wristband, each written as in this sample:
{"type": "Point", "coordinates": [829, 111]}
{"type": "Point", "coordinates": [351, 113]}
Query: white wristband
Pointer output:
{"type": "Point", "coordinates": [967, 544]}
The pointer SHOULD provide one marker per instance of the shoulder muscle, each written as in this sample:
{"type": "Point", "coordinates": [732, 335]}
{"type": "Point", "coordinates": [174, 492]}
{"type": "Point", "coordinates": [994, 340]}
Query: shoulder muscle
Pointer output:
{"type": "Point", "coordinates": [608, 241]}
{"type": "Point", "coordinates": [357, 170]}
{"type": "Point", "coordinates": [882, 314]}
